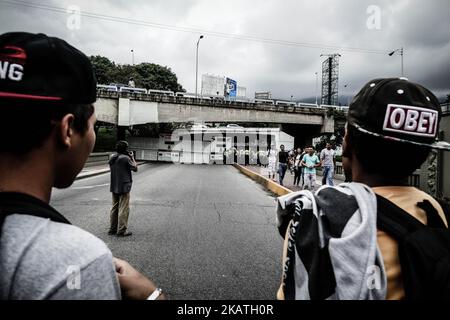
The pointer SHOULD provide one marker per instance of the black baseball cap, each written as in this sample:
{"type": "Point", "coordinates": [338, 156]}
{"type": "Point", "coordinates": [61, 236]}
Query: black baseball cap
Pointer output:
{"type": "Point", "coordinates": [398, 110]}
{"type": "Point", "coordinates": [35, 67]}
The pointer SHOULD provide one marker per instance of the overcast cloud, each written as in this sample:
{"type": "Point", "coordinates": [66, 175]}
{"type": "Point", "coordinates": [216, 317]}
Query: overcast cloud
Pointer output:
{"type": "Point", "coordinates": [421, 27]}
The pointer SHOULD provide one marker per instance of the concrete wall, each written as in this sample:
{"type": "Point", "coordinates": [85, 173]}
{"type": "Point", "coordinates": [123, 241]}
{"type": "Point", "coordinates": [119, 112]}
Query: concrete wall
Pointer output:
{"type": "Point", "coordinates": [96, 159]}
{"type": "Point", "coordinates": [107, 110]}
{"type": "Point", "coordinates": [169, 112]}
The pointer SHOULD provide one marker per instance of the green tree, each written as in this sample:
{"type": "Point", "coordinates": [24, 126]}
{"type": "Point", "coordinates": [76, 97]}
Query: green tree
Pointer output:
{"type": "Point", "coordinates": [104, 69]}
{"type": "Point", "coordinates": [123, 73]}
{"type": "Point", "coordinates": [145, 75]}
{"type": "Point", "coordinates": [335, 139]}
{"type": "Point", "coordinates": [153, 76]}
{"type": "Point", "coordinates": [448, 98]}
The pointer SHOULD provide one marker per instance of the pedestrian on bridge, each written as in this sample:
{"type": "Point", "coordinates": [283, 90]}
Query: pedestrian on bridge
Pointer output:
{"type": "Point", "coordinates": [121, 164]}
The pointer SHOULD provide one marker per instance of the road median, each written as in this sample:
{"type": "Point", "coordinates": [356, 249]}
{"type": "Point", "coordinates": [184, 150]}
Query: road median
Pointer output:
{"type": "Point", "coordinates": [92, 171]}
{"type": "Point", "coordinates": [265, 182]}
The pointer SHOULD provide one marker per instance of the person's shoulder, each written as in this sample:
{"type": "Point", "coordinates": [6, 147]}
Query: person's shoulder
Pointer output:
{"type": "Point", "coordinates": [54, 241]}
{"type": "Point", "coordinates": [40, 255]}
{"type": "Point", "coordinates": [123, 158]}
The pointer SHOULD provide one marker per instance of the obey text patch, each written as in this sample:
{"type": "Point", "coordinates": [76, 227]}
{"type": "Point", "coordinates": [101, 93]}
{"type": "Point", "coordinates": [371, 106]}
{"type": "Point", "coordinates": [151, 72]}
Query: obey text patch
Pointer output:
{"type": "Point", "coordinates": [411, 120]}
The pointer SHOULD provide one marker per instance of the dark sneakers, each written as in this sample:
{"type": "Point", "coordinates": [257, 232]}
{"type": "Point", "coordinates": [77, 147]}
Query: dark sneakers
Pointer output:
{"type": "Point", "coordinates": [125, 234]}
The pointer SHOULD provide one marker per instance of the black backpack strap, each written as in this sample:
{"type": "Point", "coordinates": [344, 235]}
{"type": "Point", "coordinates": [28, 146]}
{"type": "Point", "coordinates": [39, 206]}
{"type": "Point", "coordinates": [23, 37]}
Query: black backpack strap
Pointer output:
{"type": "Point", "coordinates": [433, 218]}
{"type": "Point", "coordinates": [17, 203]}
{"type": "Point", "coordinates": [399, 223]}
{"type": "Point", "coordinates": [394, 220]}
{"type": "Point", "coordinates": [2, 221]}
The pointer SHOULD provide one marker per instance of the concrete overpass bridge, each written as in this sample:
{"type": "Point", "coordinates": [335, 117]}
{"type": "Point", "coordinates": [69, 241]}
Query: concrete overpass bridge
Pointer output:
{"type": "Point", "coordinates": [131, 109]}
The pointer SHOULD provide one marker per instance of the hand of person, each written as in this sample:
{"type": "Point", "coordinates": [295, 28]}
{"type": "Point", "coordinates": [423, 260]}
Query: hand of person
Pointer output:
{"type": "Point", "coordinates": [133, 284]}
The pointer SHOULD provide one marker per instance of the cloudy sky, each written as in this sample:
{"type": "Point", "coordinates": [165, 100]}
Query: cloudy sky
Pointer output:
{"type": "Point", "coordinates": [265, 45]}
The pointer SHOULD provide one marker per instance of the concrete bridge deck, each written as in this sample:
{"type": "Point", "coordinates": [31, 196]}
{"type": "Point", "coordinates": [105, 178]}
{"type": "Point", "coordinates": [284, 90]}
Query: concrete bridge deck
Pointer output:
{"type": "Point", "coordinates": [126, 109]}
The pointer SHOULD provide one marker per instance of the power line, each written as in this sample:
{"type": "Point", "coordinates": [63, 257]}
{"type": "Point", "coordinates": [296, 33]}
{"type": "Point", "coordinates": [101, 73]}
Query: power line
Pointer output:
{"type": "Point", "coordinates": [194, 30]}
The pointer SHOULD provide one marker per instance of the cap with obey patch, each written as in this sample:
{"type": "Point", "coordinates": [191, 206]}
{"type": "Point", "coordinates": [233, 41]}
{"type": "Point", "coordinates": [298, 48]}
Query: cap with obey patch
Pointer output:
{"type": "Point", "coordinates": [35, 67]}
{"type": "Point", "coordinates": [399, 110]}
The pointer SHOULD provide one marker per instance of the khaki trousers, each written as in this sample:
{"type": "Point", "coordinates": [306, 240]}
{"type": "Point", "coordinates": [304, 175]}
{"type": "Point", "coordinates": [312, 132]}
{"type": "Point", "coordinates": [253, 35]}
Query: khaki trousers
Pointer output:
{"type": "Point", "coordinates": [119, 213]}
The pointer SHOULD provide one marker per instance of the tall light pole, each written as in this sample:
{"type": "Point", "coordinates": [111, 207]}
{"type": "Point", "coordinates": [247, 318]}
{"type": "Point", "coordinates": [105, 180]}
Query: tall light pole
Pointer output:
{"type": "Point", "coordinates": [196, 68]}
{"type": "Point", "coordinates": [348, 97]}
{"type": "Point", "coordinates": [317, 85]}
{"type": "Point", "coordinates": [401, 52]}
{"type": "Point", "coordinates": [132, 56]}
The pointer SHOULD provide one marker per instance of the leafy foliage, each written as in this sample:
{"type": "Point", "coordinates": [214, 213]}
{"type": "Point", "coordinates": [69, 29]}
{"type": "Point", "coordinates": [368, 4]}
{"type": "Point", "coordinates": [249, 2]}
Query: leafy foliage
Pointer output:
{"type": "Point", "coordinates": [145, 75]}
{"type": "Point", "coordinates": [335, 139]}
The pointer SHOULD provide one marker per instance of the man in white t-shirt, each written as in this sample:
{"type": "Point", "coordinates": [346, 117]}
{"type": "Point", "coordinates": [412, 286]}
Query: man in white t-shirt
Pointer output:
{"type": "Point", "coordinates": [328, 160]}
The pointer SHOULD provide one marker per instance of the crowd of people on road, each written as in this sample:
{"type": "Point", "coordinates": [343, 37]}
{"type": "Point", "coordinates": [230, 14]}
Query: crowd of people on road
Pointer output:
{"type": "Point", "coordinates": [302, 164]}
{"type": "Point", "coordinates": [374, 238]}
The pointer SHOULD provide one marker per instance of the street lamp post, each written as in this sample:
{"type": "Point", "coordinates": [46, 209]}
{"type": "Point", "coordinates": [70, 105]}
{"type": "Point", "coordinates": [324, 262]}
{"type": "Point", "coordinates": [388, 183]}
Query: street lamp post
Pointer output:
{"type": "Point", "coordinates": [132, 56]}
{"type": "Point", "coordinates": [196, 68]}
{"type": "Point", "coordinates": [401, 51]}
{"type": "Point", "coordinates": [348, 97]}
{"type": "Point", "coordinates": [317, 85]}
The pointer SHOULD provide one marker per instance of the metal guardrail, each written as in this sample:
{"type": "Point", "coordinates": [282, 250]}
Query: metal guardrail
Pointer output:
{"type": "Point", "coordinates": [445, 108]}
{"type": "Point", "coordinates": [96, 159]}
{"type": "Point", "coordinates": [163, 98]}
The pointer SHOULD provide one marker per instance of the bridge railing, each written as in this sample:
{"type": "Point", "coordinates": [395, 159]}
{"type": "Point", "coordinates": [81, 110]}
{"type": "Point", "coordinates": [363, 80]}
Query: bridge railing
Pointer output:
{"type": "Point", "coordinates": [113, 91]}
{"type": "Point", "coordinates": [445, 108]}
{"type": "Point", "coordinates": [167, 97]}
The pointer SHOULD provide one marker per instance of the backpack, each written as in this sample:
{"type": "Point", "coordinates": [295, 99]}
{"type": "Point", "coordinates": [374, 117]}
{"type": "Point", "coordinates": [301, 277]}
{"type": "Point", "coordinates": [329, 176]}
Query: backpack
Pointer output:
{"type": "Point", "coordinates": [424, 250]}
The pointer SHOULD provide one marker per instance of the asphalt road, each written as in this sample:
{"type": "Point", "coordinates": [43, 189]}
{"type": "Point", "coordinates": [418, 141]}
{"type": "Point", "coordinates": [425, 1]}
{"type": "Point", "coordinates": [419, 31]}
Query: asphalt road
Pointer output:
{"type": "Point", "coordinates": [200, 232]}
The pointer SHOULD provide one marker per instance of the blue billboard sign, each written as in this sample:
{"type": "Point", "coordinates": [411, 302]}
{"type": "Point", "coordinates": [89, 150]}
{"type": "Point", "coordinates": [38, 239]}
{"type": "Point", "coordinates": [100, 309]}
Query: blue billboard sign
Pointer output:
{"type": "Point", "coordinates": [231, 88]}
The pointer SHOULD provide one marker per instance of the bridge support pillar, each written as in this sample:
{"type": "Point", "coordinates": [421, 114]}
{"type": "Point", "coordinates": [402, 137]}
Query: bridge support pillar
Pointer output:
{"type": "Point", "coordinates": [328, 124]}
{"type": "Point", "coordinates": [121, 133]}
{"type": "Point", "coordinates": [303, 134]}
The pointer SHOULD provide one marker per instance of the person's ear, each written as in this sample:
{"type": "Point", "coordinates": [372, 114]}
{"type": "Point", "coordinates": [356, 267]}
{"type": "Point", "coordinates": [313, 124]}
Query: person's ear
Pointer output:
{"type": "Point", "coordinates": [66, 131]}
{"type": "Point", "coordinates": [346, 146]}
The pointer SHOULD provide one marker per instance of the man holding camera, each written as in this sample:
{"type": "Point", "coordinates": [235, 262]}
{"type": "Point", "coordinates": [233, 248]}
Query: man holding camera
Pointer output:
{"type": "Point", "coordinates": [121, 164]}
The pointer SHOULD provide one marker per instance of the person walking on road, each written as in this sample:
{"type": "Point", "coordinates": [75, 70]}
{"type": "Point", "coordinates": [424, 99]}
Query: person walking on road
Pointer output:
{"type": "Point", "coordinates": [47, 132]}
{"type": "Point", "coordinates": [328, 160]}
{"type": "Point", "coordinates": [297, 167]}
{"type": "Point", "coordinates": [283, 158]}
{"type": "Point", "coordinates": [310, 162]}
{"type": "Point", "coordinates": [291, 161]}
{"type": "Point", "coordinates": [271, 163]}
{"type": "Point", "coordinates": [121, 164]}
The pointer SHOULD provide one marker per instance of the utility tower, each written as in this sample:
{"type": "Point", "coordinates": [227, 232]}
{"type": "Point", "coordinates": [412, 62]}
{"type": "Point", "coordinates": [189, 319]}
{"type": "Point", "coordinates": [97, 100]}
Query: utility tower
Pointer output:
{"type": "Point", "coordinates": [330, 79]}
